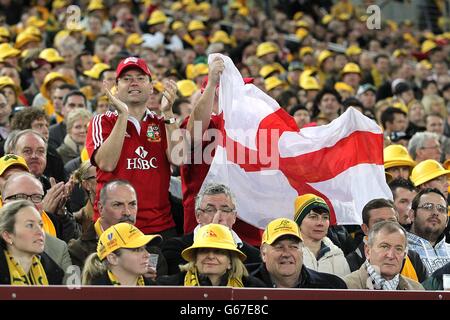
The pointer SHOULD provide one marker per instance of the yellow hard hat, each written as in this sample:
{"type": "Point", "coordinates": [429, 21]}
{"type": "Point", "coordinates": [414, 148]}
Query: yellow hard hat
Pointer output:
{"type": "Point", "coordinates": [204, 6]}
{"type": "Point", "coordinates": [134, 39]}
{"type": "Point", "coordinates": [7, 51]}
{"type": "Point", "coordinates": [25, 38]}
{"type": "Point", "coordinates": [35, 22]}
{"type": "Point", "coordinates": [267, 70]}
{"type": "Point", "coordinates": [309, 83]}
{"type": "Point", "coordinates": [157, 17]}
{"type": "Point", "coordinates": [200, 69]}
{"type": "Point", "coordinates": [95, 5]}
{"type": "Point", "coordinates": [196, 25]}
{"type": "Point", "coordinates": [305, 50]}
{"type": "Point", "coordinates": [199, 40]}
{"type": "Point", "coordinates": [302, 24]}
{"type": "Point", "coordinates": [342, 86]}
{"type": "Point", "coordinates": [220, 36]}
{"type": "Point", "coordinates": [118, 30]}
{"type": "Point", "coordinates": [426, 64]}
{"type": "Point", "coordinates": [272, 82]}
{"type": "Point", "coordinates": [51, 55]}
{"type": "Point", "coordinates": [266, 48]}
{"type": "Point", "coordinates": [325, 54]}
{"type": "Point", "coordinates": [427, 46]}
{"type": "Point", "coordinates": [351, 68]}
{"type": "Point", "coordinates": [49, 78]}
{"type": "Point", "coordinates": [177, 25]}
{"type": "Point", "coordinates": [326, 19]}
{"type": "Point", "coordinates": [427, 170]}
{"type": "Point", "coordinates": [397, 155]}
{"type": "Point", "coordinates": [58, 4]}
{"type": "Point", "coordinates": [298, 15]}
{"type": "Point", "coordinates": [97, 70]}
{"type": "Point", "coordinates": [400, 52]}
{"type": "Point", "coordinates": [301, 33]}
{"type": "Point", "coordinates": [214, 236]}
{"type": "Point", "coordinates": [4, 32]}
{"type": "Point", "coordinates": [60, 36]}
{"type": "Point", "coordinates": [186, 87]}
{"type": "Point", "coordinates": [7, 81]}
{"type": "Point", "coordinates": [353, 50]}
{"type": "Point", "coordinates": [158, 86]}
{"type": "Point", "coordinates": [344, 17]}
{"type": "Point", "coordinates": [176, 6]}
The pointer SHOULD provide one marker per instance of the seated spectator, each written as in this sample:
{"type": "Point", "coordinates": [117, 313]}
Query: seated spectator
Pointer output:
{"type": "Point", "coordinates": [214, 204]}
{"type": "Point", "coordinates": [282, 267]}
{"type": "Point", "coordinates": [312, 214]}
{"type": "Point", "coordinates": [385, 250]}
{"type": "Point", "coordinates": [213, 260]}
{"type": "Point", "coordinates": [121, 258]}
{"type": "Point", "coordinates": [22, 257]}
{"type": "Point", "coordinates": [436, 281]}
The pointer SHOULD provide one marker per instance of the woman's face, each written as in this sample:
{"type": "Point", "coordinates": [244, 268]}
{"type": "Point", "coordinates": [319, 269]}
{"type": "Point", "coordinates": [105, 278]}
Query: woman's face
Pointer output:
{"type": "Point", "coordinates": [10, 95]}
{"type": "Point", "coordinates": [214, 262]}
{"type": "Point", "coordinates": [79, 130]}
{"type": "Point", "coordinates": [133, 261]}
{"type": "Point", "coordinates": [315, 225]}
{"type": "Point", "coordinates": [28, 236]}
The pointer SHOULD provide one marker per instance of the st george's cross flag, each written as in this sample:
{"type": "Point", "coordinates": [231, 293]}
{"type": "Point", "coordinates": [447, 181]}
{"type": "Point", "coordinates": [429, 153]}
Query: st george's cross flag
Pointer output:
{"type": "Point", "coordinates": [267, 161]}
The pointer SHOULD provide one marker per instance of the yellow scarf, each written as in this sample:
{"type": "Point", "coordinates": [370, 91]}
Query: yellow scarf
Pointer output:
{"type": "Point", "coordinates": [408, 270]}
{"type": "Point", "coordinates": [48, 224]}
{"type": "Point", "coordinates": [191, 280]}
{"type": "Point", "coordinates": [18, 277]}
{"type": "Point", "coordinates": [115, 282]}
{"type": "Point", "coordinates": [98, 227]}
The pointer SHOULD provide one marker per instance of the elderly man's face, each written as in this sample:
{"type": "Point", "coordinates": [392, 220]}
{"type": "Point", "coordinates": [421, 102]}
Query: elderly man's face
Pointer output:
{"type": "Point", "coordinates": [217, 208]}
{"type": "Point", "coordinates": [283, 258]}
{"type": "Point", "coordinates": [34, 150]}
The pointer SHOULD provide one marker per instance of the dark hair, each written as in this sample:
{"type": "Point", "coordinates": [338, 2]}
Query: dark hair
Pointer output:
{"type": "Point", "coordinates": [375, 204]}
{"type": "Point", "coordinates": [297, 107]}
{"type": "Point", "coordinates": [426, 82]}
{"type": "Point", "coordinates": [285, 96]}
{"type": "Point", "coordinates": [380, 56]}
{"type": "Point", "coordinates": [388, 115]}
{"type": "Point", "coordinates": [319, 97]}
{"type": "Point", "coordinates": [67, 86]}
{"type": "Point", "coordinates": [177, 103]}
{"type": "Point", "coordinates": [352, 102]}
{"type": "Point", "coordinates": [401, 183]}
{"type": "Point", "coordinates": [24, 118]}
{"type": "Point", "coordinates": [78, 64]}
{"type": "Point", "coordinates": [74, 93]}
{"type": "Point", "coordinates": [416, 200]}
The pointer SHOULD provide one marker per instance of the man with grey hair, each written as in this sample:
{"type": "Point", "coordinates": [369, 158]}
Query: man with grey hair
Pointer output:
{"type": "Point", "coordinates": [424, 145]}
{"type": "Point", "coordinates": [385, 251]}
{"type": "Point", "coordinates": [214, 204]}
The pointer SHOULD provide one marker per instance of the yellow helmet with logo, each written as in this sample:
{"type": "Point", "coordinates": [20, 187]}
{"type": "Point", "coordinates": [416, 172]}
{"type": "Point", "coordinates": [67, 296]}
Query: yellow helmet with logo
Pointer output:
{"type": "Point", "coordinates": [426, 171]}
{"type": "Point", "coordinates": [397, 156]}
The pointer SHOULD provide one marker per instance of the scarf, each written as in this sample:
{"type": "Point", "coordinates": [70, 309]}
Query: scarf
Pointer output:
{"type": "Point", "coordinates": [75, 147]}
{"type": "Point", "coordinates": [18, 277]}
{"type": "Point", "coordinates": [49, 227]}
{"type": "Point", "coordinates": [191, 280]}
{"type": "Point", "coordinates": [379, 283]}
{"type": "Point", "coordinates": [98, 227]}
{"type": "Point", "coordinates": [115, 282]}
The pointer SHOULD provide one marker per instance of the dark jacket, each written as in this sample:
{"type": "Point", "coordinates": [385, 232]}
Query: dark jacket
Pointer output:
{"type": "Point", "coordinates": [66, 226]}
{"type": "Point", "coordinates": [55, 165]}
{"type": "Point", "coordinates": [356, 258]}
{"type": "Point", "coordinates": [57, 133]}
{"type": "Point", "coordinates": [172, 248]}
{"type": "Point", "coordinates": [53, 272]}
{"type": "Point", "coordinates": [436, 281]}
{"type": "Point", "coordinates": [81, 248]}
{"type": "Point", "coordinates": [103, 280]}
{"type": "Point", "coordinates": [178, 280]}
{"type": "Point", "coordinates": [308, 279]}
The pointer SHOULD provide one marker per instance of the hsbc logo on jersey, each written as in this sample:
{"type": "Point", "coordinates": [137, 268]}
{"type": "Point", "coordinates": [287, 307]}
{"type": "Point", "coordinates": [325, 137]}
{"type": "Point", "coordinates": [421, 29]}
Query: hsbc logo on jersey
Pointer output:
{"type": "Point", "coordinates": [141, 163]}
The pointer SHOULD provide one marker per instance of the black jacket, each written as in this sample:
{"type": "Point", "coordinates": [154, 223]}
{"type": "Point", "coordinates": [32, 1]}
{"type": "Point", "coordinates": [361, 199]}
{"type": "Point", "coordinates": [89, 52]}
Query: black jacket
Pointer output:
{"type": "Point", "coordinates": [53, 272]}
{"type": "Point", "coordinates": [103, 280]}
{"type": "Point", "coordinates": [172, 248]}
{"type": "Point", "coordinates": [178, 280]}
{"type": "Point", "coordinates": [308, 279]}
{"type": "Point", "coordinates": [57, 133]}
{"type": "Point", "coordinates": [356, 258]}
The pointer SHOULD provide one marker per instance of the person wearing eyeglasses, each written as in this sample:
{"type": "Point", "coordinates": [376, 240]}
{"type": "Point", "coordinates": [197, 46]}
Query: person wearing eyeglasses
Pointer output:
{"type": "Point", "coordinates": [121, 258]}
{"type": "Point", "coordinates": [134, 144]}
{"type": "Point", "coordinates": [22, 239]}
{"type": "Point", "coordinates": [214, 204]}
{"type": "Point", "coordinates": [385, 251]}
{"type": "Point", "coordinates": [429, 217]}
{"type": "Point", "coordinates": [24, 186]}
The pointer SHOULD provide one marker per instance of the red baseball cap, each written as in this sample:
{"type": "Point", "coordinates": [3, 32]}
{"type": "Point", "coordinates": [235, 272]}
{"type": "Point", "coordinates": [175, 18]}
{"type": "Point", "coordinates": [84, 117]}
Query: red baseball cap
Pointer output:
{"type": "Point", "coordinates": [132, 62]}
{"type": "Point", "coordinates": [205, 82]}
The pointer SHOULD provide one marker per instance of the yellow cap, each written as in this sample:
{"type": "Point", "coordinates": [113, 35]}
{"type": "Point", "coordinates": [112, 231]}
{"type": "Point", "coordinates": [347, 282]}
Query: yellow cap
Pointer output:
{"type": "Point", "coordinates": [392, 24]}
{"type": "Point", "coordinates": [60, 37]}
{"type": "Point", "coordinates": [325, 54]}
{"type": "Point", "coordinates": [309, 83]}
{"type": "Point", "coordinates": [272, 82]}
{"type": "Point", "coordinates": [203, 6]}
{"type": "Point", "coordinates": [97, 70]}
{"type": "Point", "coordinates": [95, 5]}
{"type": "Point", "coordinates": [305, 50]}
{"type": "Point", "coordinates": [427, 170]}
{"type": "Point", "coordinates": [51, 55]}
{"type": "Point", "coordinates": [200, 69]}
{"type": "Point", "coordinates": [35, 22]}
{"type": "Point", "coordinates": [9, 160]}
{"type": "Point", "coordinates": [220, 36]}
{"type": "Point", "coordinates": [427, 46]}
{"type": "Point", "coordinates": [177, 25]}
{"type": "Point", "coordinates": [298, 15]}
{"type": "Point", "coordinates": [344, 17]}
{"type": "Point", "coordinates": [397, 156]}
{"type": "Point", "coordinates": [58, 4]}
{"type": "Point", "coordinates": [342, 86]}
{"type": "Point", "coordinates": [214, 236]}
{"type": "Point", "coordinates": [134, 39]}
{"type": "Point", "coordinates": [7, 51]}
{"type": "Point", "coordinates": [25, 38]}
{"type": "Point", "coordinates": [196, 25]}
{"type": "Point", "coordinates": [326, 19]}
{"type": "Point", "coordinates": [267, 70]}
{"type": "Point", "coordinates": [266, 48]}
{"type": "Point", "coordinates": [118, 30]}
{"type": "Point", "coordinates": [351, 68]}
{"type": "Point", "coordinates": [186, 88]}
{"type": "Point", "coordinates": [157, 17]}
{"type": "Point", "coordinates": [158, 86]}
{"type": "Point", "coordinates": [353, 51]}
{"type": "Point", "coordinates": [426, 64]}
{"type": "Point", "coordinates": [7, 81]}
{"type": "Point", "coordinates": [49, 78]}
{"type": "Point", "coordinates": [400, 52]}
{"type": "Point", "coordinates": [199, 41]}
{"type": "Point", "coordinates": [307, 202]}
{"type": "Point", "coordinates": [301, 33]}
{"type": "Point", "coordinates": [278, 228]}
{"type": "Point", "coordinates": [122, 235]}
{"type": "Point", "coordinates": [302, 24]}
{"type": "Point", "coordinates": [4, 32]}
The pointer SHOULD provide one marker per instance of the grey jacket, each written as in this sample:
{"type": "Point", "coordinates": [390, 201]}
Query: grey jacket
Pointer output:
{"type": "Point", "coordinates": [57, 250]}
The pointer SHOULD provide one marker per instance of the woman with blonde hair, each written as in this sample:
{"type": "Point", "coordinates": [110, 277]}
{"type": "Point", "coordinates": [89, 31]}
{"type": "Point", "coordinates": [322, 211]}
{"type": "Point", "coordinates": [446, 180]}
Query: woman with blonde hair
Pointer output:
{"type": "Point", "coordinates": [22, 238]}
{"type": "Point", "coordinates": [121, 258]}
{"type": "Point", "coordinates": [213, 260]}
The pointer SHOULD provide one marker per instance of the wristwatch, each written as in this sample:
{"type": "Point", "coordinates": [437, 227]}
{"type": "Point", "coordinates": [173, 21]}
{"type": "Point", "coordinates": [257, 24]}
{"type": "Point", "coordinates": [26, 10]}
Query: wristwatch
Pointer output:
{"type": "Point", "coordinates": [169, 121]}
